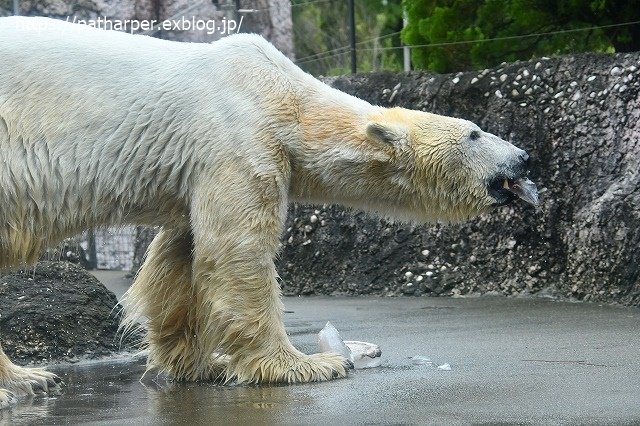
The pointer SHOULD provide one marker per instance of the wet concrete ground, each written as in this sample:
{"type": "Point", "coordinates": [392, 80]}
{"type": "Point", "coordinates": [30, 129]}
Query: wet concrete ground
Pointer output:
{"type": "Point", "coordinates": [514, 361]}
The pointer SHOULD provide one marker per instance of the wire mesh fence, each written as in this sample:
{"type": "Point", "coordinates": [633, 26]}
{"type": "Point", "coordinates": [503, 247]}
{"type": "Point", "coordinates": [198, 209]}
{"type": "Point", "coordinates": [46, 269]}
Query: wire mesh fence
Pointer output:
{"type": "Point", "coordinates": [117, 248]}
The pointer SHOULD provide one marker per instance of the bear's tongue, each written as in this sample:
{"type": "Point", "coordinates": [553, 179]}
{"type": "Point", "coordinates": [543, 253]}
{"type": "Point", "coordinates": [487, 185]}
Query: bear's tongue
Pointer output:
{"type": "Point", "coordinates": [523, 188]}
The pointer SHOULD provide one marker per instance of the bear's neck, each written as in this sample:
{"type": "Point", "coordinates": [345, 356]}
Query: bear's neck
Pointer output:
{"type": "Point", "coordinates": [335, 162]}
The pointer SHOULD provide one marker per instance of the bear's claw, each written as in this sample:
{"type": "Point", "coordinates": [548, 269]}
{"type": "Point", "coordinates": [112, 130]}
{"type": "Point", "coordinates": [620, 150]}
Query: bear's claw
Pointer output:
{"type": "Point", "coordinates": [6, 399]}
{"type": "Point", "coordinates": [27, 381]}
{"type": "Point", "coordinates": [348, 365]}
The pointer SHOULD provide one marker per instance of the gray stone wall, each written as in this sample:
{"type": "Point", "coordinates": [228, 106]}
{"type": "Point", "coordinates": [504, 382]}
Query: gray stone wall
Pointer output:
{"type": "Point", "coordinates": [270, 18]}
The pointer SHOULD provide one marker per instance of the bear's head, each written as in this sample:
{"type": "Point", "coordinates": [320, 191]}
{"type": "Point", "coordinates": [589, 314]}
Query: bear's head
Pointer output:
{"type": "Point", "coordinates": [450, 168]}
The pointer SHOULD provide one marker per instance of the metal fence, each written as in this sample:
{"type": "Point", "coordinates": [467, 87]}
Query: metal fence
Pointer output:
{"type": "Point", "coordinates": [111, 248]}
{"type": "Point", "coordinates": [118, 248]}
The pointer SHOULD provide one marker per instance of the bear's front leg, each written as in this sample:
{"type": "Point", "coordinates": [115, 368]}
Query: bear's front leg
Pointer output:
{"type": "Point", "coordinates": [244, 321]}
{"type": "Point", "coordinates": [20, 381]}
{"type": "Point", "coordinates": [236, 221]}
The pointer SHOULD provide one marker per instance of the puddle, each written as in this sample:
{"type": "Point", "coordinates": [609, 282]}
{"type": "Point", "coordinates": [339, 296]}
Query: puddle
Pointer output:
{"type": "Point", "coordinates": [110, 393]}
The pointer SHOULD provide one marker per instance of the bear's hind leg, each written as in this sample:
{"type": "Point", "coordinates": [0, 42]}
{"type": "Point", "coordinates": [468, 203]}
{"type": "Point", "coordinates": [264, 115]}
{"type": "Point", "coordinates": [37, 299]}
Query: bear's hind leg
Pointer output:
{"type": "Point", "coordinates": [163, 293]}
{"type": "Point", "coordinates": [20, 381]}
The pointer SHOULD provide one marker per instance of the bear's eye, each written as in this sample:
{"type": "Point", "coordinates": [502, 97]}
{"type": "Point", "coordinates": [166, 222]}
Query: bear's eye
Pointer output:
{"type": "Point", "coordinates": [474, 135]}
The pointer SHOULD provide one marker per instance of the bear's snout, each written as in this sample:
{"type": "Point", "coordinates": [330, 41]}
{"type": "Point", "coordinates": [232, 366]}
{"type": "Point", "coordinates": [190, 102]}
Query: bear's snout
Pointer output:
{"type": "Point", "coordinates": [511, 181]}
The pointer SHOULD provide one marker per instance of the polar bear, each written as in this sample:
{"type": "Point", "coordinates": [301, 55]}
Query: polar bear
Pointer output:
{"type": "Point", "coordinates": [211, 141]}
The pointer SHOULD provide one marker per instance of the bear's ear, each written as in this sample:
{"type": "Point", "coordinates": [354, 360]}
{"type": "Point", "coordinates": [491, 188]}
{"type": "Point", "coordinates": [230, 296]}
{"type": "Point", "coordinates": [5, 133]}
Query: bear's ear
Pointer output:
{"type": "Point", "coordinates": [388, 133]}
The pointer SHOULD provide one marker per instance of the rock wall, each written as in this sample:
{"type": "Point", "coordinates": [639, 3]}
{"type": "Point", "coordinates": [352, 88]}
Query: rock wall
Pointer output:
{"type": "Point", "coordinates": [578, 117]}
{"type": "Point", "coordinates": [270, 18]}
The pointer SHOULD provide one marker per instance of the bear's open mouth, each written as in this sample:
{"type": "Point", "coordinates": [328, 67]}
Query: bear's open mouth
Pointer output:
{"type": "Point", "coordinates": [506, 190]}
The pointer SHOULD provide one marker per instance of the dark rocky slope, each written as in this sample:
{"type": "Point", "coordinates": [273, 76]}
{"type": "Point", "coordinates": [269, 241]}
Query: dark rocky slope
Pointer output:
{"type": "Point", "coordinates": [56, 311]}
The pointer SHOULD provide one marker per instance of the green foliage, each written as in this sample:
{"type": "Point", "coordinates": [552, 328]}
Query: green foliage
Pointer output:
{"type": "Point", "coordinates": [461, 35]}
{"type": "Point", "coordinates": [458, 35]}
{"type": "Point", "coordinates": [321, 35]}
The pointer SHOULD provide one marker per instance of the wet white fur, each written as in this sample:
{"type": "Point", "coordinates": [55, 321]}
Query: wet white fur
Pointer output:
{"type": "Point", "coordinates": [210, 142]}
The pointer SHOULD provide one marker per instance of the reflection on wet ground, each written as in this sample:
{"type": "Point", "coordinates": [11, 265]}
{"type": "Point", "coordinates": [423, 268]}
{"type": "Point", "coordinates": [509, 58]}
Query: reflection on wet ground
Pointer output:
{"type": "Point", "coordinates": [111, 393]}
{"type": "Point", "coordinates": [513, 361]}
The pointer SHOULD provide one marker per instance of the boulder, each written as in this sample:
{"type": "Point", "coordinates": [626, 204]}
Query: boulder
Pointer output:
{"type": "Point", "coordinates": [56, 311]}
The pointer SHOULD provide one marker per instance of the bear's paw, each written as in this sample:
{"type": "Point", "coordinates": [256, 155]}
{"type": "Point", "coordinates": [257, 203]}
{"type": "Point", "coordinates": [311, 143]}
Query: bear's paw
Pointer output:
{"type": "Point", "coordinates": [20, 381]}
{"type": "Point", "coordinates": [290, 367]}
